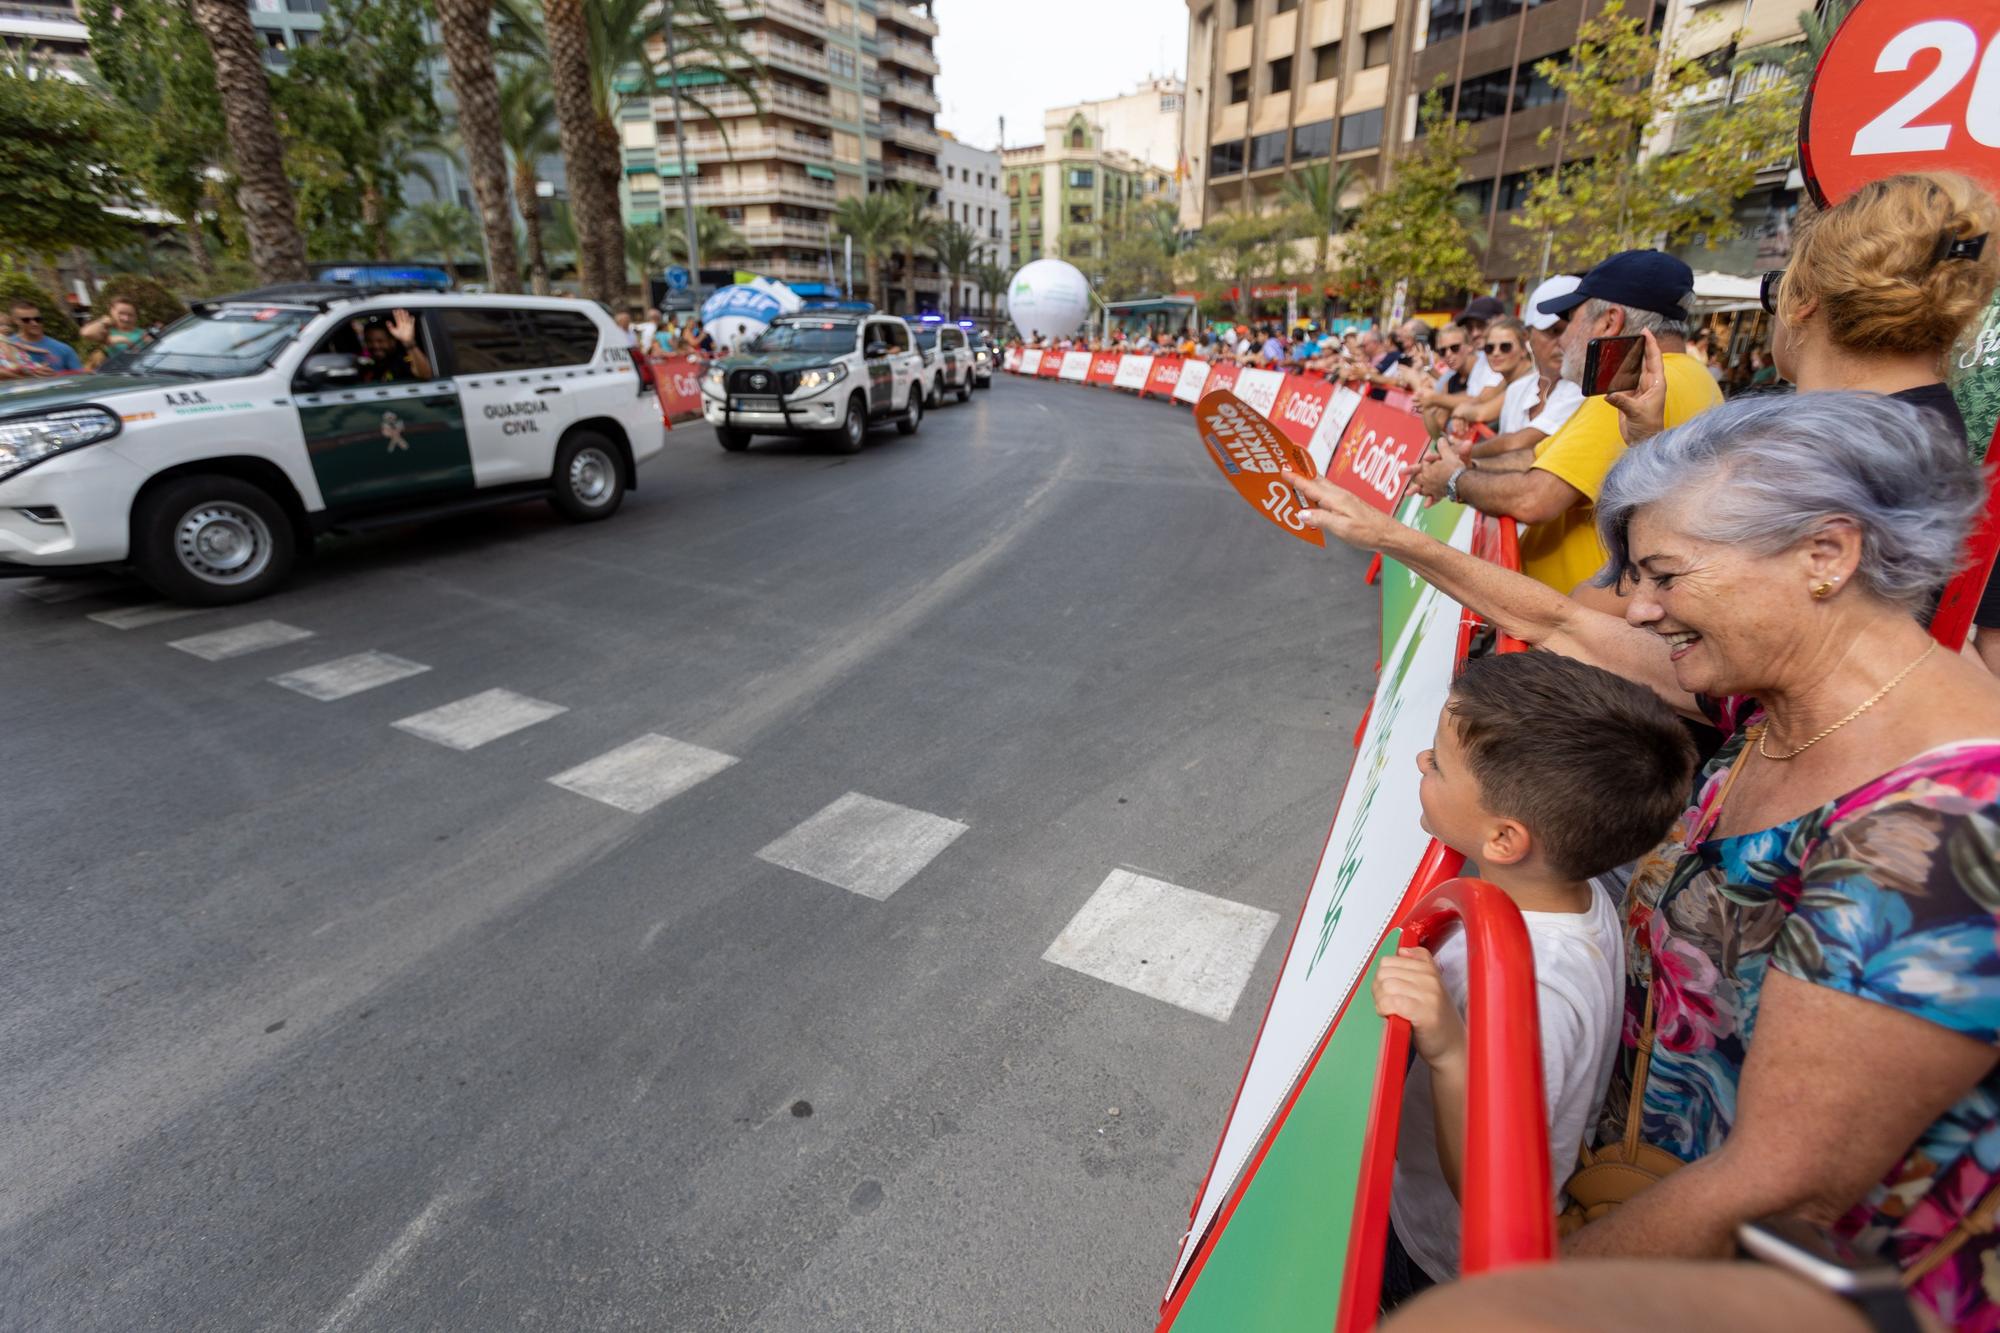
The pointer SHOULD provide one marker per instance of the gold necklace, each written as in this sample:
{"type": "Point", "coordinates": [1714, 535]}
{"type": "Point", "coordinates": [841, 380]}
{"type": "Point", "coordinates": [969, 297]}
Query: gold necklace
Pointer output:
{"type": "Point", "coordinates": [1866, 704]}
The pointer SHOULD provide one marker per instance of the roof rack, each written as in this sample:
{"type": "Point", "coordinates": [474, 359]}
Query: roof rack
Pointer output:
{"type": "Point", "coordinates": [317, 295]}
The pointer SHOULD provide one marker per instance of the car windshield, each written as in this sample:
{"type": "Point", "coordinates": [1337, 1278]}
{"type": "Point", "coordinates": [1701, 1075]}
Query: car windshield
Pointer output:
{"type": "Point", "coordinates": [926, 338]}
{"type": "Point", "coordinates": [215, 344]}
{"type": "Point", "coordinates": [806, 337]}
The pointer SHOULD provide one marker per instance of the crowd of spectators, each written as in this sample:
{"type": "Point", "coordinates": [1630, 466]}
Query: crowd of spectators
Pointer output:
{"type": "Point", "coordinates": [1808, 1001]}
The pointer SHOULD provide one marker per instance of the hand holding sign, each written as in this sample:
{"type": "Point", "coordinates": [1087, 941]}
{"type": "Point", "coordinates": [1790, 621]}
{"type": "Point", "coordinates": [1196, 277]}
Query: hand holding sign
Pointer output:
{"type": "Point", "coordinates": [1335, 509]}
{"type": "Point", "coordinates": [1251, 452]}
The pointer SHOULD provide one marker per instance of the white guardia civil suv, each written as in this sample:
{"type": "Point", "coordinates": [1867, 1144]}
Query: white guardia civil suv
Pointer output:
{"type": "Point", "coordinates": [817, 373]}
{"type": "Point", "coordinates": [210, 458]}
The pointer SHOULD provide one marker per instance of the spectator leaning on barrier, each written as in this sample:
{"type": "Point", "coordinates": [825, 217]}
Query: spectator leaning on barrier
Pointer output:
{"type": "Point", "coordinates": [1545, 771]}
{"type": "Point", "coordinates": [44, 352]}
{"type": "Point", "coordinates": [1812, 1005]}
{"type": "Point", "coordinates": [1506, 350]}
{"type": "Point", "coordinates": [1478, 398]}
{"type": "Point", "coordinates": [1554, 491]}
{"type": "Point", "coordinates": [1435, 402]}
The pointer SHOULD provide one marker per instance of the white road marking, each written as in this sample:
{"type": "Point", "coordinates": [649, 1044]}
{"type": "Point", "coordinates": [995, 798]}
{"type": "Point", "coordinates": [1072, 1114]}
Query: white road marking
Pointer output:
{"type": "Point", "coordinates": [386, 1265]}
{"type": "Point", "coordinates": [1174, 944]}
{"type": "Point", "coordinates": [652, 933]}
{"type": "Point", "coordinates": [146, 613]}
{"type": "Point", "coordinates": [863, 845]}
{"type": "Point", "coordinates": [487, 716]}
{"type": "Point", "coordinates": [251, 638]}
{"type": "Point", "coordinates": [348, 675]}
{"type": "Point", "coordinates": [51, 591]}
{"type": "Point", "coordinates": [640, 774]}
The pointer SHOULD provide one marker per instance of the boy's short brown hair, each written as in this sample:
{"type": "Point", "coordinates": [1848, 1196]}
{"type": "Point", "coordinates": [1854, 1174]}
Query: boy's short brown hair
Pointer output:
{"type": "Point", "coordinates": [1596, 767]}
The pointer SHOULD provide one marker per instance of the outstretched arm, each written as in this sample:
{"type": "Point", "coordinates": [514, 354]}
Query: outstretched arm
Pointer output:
{"type": "Point", "coordinates": [1515, 604]}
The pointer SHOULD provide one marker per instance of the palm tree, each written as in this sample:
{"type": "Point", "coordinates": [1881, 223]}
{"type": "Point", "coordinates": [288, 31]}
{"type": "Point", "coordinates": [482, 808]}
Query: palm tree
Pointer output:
{"type": "Point", "coordinates": [1317, 201]}
{"type": "Point", "coordinates": [442, 229]}
{"type": "Point", "coordinates": [621, 42]}
{"type": "Point", "coordinates": [264, 192]}
{"type": "Point", "coordinates": [957, 247]}
{"type": "Point", "coordinates": [871, 219]}
{"type": "Point", "coordinates": [528, 128]}
{"type": "Point", "coordinates": [991, 279]}
{"type": "Point", "coordinates": [714, 237]}
{"type": "Point", "coordinates": [468, 53]}
{"type": "Point", "coordinates": [402, 150]}
{"type": "Point", "coordinates": [915, 229]}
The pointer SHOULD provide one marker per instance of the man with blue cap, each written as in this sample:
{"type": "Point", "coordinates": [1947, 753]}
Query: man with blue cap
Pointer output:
{"type": "Point", "coordinates": [1554, 487]}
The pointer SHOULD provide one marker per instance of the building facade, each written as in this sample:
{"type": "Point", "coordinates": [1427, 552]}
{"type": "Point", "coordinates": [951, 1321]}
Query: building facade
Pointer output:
{"type": "Point", "coordinates": [848, 107]}
{"type": "Point", "coordinates": [974, 197]}
{"type": "Point", "coordinates": [1070, 195]}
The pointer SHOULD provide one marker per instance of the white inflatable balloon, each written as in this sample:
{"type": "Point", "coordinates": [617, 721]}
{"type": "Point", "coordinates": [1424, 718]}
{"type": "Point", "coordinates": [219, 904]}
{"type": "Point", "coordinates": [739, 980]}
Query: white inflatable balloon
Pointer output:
{"type": "Point", "coordinates": [734, 315]}
{"type": "Point", "coordinates": [1048, 299]}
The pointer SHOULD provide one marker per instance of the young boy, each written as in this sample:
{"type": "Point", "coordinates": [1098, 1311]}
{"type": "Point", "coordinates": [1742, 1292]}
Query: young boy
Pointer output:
{"type": "Point", "coordinates": [1544, 772]}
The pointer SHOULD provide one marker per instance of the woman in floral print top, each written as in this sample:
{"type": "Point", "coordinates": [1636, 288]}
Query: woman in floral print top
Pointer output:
{"type": "Point", "coordinates": [1825, 921]}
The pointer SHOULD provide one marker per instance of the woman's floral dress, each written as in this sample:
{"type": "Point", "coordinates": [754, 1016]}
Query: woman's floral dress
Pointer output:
{"type": "Point", "coordinates": [1890, 893]}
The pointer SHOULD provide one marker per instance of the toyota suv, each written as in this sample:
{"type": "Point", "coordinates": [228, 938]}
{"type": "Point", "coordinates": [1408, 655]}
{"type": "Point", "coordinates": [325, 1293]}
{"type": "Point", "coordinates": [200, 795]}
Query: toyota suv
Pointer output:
{"type": "Point", "coordinates": [947, 359]}
{"type": "Point", "coordinates": [825, 373]}
{"type": "Point", "coordinates": [208, 458]}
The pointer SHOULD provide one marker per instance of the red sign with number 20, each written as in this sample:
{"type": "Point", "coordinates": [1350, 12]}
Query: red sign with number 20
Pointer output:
{"type": "Point", "coordinates": [1905, 87]}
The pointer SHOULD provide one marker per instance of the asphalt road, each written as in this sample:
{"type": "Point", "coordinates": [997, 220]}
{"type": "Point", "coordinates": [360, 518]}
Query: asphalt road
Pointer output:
{"type": "Point", "coordinates": [311, 1022]}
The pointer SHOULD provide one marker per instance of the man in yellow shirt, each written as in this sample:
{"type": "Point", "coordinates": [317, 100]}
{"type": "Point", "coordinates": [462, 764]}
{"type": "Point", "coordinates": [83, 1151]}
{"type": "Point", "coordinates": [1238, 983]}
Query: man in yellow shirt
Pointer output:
{"type": "Point", "coordinates": [1555, 491]}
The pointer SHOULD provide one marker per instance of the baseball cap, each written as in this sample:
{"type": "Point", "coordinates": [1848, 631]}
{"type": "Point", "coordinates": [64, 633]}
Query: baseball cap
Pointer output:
{"type": "Point", "coordinates": [1562, 284]}
{"type": "Point", "coordinates": [1642, 279]}
{"type": "Point", "coordinates": [1487, 308]}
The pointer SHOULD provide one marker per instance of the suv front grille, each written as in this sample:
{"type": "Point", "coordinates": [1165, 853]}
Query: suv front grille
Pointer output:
{"type": "Point", "coordinates": [757, 380]}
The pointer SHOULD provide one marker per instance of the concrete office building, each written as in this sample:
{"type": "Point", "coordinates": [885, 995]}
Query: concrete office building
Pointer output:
{"type": "Point", "coordinates": [973, 197]}
{"type": "Point", "coordinates": [1144, 123]}
{"type": "Point", "coordinates": [848, 107]}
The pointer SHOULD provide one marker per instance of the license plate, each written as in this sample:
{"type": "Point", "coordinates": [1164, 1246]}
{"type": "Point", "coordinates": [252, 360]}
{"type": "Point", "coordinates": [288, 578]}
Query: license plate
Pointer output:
{"type": "Point", "coordinates": [755, 405]}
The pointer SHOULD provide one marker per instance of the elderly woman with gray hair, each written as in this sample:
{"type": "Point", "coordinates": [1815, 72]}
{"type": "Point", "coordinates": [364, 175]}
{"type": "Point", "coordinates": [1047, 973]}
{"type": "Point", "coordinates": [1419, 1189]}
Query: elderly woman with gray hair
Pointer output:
{"type": "Point", "coordinates": [1813, 971]}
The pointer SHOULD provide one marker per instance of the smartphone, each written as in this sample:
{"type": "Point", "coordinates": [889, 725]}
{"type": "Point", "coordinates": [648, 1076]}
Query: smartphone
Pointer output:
{"type": "Point", "coordinates": [1612, 365]}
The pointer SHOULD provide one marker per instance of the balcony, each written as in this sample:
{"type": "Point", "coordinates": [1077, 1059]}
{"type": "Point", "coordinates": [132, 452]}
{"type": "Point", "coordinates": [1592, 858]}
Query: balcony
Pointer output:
{"type": "Point", "coordinates": [909, 55]}
{"type": "Point", "coordinates": [785, 231]}
{"type": "Point", "coordinates": [777, 97]}
{"type": "Point", "coordinates": [909, 16]}
{"type": "Point", "coordinates": [809, 18]}
{"type": "Point", "coordinates": [916, 96]}
{"type": "Point", "coordinates": [917, 138]}
{"type": "Point", "coordinates": [783, 190]}
{"type": "Point", "coordinates": [905, 169]}
{"type": "Point", "coordinates": [748, 146]}
{"type": "Point", "coordinates": [783, 53]}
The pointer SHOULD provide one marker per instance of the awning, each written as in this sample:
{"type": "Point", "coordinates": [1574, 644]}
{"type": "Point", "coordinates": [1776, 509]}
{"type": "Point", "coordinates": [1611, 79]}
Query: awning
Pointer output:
{"type": "Point", "coordinates": [819, 173]}
{"type": "Point", "coordinates": [1725, 291]}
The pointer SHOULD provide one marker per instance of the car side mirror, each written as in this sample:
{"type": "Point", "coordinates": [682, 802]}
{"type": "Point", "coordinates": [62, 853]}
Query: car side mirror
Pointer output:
{"type": "Point", "coordinates": [330, 370]}
{"type": "Point", "coordinates": [876, 349]}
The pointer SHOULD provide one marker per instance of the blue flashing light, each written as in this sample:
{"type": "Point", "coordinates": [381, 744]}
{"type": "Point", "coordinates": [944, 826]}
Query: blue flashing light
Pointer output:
{"type": "Point", "coordinates": [965, 324]}
{"type": "Point", "coordinates": [930, 319]}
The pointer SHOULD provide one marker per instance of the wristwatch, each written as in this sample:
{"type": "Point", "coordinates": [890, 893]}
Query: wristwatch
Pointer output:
{"type": "Point", "coordinates": [1451, 487]}
{"type": "Point", "coordinates": [1872, 1285]}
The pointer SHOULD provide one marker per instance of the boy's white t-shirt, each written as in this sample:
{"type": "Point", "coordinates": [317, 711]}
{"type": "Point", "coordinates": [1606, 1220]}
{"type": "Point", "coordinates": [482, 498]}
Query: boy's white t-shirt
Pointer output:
{"type": "Point", "coordinates": [1517, 405]}
{"type": "Point", "coordinates": [1482, 377]}
{"type": "Point", "coordinates": [1579, 966]}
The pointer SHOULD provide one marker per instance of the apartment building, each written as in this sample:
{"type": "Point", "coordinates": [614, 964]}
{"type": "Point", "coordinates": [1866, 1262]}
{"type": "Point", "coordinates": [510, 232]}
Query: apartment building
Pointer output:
{"type": "Point", "coordinates": [1276, 84]}
{"type": "Point", "coordinates": [1069, 195]}
{"type": "Point", "coordinates": [847, 107]}
{"type": "Point", "coordinates": [51, 29]}
{"type": "Point", "coordinates": [973, 197]}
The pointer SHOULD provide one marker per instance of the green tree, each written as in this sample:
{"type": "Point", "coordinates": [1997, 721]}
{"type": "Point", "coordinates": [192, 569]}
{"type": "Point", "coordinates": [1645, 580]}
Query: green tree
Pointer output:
{"type": "Point", "coordinates": [528, 128]}
{"type": "Point", "coordinates": [263, 199]}
{"type": "Point", "coordinates": [442, 231]}
{"type": "Point", "coordinates": [1614, 194]}
{"type": "Point", "coordinates": [957, 247]}
{"type": "Point", "coordinates": [357, 107]}
{"type": "Point", "coordinates": [59, 165]}
{"type": "Point", "coordinates": [1143, 256]}
{"type": "Point", "coordinates": [157, 68]}
{"type": "Point", "coordinates": [871, 219]}
{"type": "Point", "coordinates": [465, 27]}
{"type": "Point", "coordinates": [1415, 228]}
{"type": "Point", "coordinates": [1236, 249]}
{"type": "Point", "coordinates": [915, 229]}
{"type": "Point", "coordinates": [1314, 193]}
{"type": "Point", "coordinates": [714, 236]}
{"type": "Point", "coordinates": [991, 278]}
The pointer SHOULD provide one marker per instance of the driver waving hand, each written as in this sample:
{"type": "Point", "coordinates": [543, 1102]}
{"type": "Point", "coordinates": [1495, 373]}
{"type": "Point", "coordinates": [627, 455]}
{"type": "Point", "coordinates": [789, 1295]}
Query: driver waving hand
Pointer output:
{"type": "Point", "coordinates": [392, 352]}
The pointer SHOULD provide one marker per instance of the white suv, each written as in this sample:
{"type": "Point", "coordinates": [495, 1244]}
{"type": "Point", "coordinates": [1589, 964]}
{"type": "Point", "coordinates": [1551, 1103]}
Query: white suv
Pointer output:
{"type": "Point", "coordinates": [817, 373]}
{"type": "Point", "coordinates": [947, 359]}
{"type": "Point", "coordinates": [211, 457]}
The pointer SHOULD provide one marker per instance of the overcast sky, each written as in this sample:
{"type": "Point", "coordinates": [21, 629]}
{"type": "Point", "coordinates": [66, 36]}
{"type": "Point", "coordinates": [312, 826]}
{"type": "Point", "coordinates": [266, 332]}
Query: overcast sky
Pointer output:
{"type": "Point", "coordinates": [1018, 58]}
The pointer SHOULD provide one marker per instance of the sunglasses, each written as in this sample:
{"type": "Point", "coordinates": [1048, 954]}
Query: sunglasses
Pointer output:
{"type": "Point", "coordinates": [27, 319]}
{"type": "Point", "coordinates": [1447, 348]}
{"type": "Point", "coordinates": [1498, 349]}
{"type": "Point", "coordinates": [1767, 290]}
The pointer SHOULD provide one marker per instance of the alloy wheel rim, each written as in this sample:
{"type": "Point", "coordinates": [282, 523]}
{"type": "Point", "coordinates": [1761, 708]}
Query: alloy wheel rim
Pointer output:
{"type": "Point", "coordinates": [590, 474]}
{"type": "Point", "coordinates": [223, 543]}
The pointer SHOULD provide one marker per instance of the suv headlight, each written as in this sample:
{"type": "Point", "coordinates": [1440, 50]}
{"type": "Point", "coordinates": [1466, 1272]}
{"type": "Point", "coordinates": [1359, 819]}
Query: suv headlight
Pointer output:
{"type": "Point", "coordinates": [819, 377]}
{"type": "Point", "coordinates": [27, 441]}
{"type": "Point", "coordinates": [712, 379]}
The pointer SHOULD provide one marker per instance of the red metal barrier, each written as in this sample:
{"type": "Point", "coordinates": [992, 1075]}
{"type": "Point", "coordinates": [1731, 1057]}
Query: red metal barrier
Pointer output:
{"type": "Point", "coordinates": [677, 384]}
{"type": "Point", "coordinates": [1103, 368]}
{"type": "Point", "coordinates": [1507, 1200]}
{"type": "Point", "coordinates": [1955, 608]}
{"type": "Point", "coordinates": [1222, 375]}
{"type": "Point", "coordinates": [1164, 376]}
{"type": "Point", "coordinates": [1051, 364]}
{"type": "Point", "coordinates": [1301, 403]}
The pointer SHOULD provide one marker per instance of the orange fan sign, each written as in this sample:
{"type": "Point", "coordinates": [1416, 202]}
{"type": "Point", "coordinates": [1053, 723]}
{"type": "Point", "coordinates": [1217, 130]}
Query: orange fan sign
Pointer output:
{"type": "Point", "coordinates": [1250, 450]}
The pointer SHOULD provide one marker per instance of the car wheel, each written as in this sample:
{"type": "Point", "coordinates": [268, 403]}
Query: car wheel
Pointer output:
{"type": "Point", "coordinates": [935, 394]}
{"type": "Point", "coordinates": [732, 439]}
{"type": "Point", "coordinates": [965, 389]}
{"type": "Point", "coordinates": [853, 427]}
{"type": "Point", "coordinates": [212, 540]}
{"type": "Point", "coordinates": [588, 484]}
{"type": "Point", "coordinates": [913, 415]}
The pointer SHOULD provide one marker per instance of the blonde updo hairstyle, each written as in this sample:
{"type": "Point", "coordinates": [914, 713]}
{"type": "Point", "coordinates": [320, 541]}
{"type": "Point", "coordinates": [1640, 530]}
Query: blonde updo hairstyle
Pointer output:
{"type": "Point", "coordinates": [1876, 265]}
